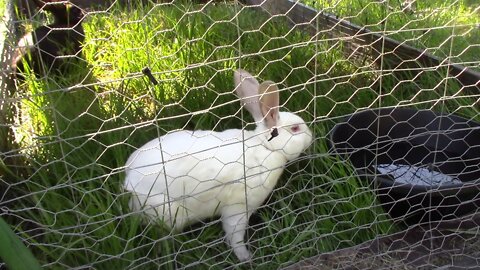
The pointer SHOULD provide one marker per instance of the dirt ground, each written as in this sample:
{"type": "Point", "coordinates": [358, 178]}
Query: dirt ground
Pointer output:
{"type": "Point", "coordinates": [442, 245]}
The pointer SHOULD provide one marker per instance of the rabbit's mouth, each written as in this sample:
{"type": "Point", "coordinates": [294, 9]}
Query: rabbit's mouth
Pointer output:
{"type": "Point", "coordinates": [305, 156]}
{"type": "Point", "coordinates": [302, 157]}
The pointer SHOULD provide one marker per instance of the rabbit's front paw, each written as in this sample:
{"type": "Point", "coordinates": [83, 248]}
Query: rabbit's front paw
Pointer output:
{"type": "Point", "coordinates": [243, 254]}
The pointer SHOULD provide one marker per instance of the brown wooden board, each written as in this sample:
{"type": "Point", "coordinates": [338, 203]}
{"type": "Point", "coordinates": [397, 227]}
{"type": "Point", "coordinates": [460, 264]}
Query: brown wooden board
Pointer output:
{"type": "Point", "coordinates": [6, 85]}
{"type": "Point", "coordinates": [412, 248]}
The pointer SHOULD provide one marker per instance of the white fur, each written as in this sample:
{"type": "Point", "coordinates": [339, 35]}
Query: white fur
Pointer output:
{"type": "Point", "coordinates": [205, 173]}
{"type": "Point", "coordinates": [25, 44]}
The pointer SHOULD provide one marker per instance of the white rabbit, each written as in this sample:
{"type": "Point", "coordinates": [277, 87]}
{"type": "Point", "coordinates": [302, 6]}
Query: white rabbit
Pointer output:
{"type": "Point", "coordinates": [186, 176]}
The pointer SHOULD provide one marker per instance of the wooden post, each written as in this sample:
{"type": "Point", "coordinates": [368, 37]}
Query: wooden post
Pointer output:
{"type": "Point", "coordinates": [6, 84]}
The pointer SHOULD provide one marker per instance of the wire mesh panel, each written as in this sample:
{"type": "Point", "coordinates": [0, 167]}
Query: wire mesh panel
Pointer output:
{"type": "Point", "coordinates": [243, 134]}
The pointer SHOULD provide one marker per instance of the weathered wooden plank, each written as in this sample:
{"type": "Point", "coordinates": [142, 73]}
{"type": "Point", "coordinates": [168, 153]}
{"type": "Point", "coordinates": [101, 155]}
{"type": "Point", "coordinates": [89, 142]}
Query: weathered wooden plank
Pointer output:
{"type": "Point", "coordinates": [410, 248]}
{"type": "Point", "coordinates": [9, 148]}
{"type": "Point", "coordinates": [395, 55]}
{"type": "Point", "coordinates": [6, 85]}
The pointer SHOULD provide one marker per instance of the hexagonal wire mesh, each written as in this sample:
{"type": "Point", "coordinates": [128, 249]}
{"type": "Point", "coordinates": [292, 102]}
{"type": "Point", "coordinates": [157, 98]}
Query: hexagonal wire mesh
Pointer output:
{"type": "Point", "coordinates": [101, 156]}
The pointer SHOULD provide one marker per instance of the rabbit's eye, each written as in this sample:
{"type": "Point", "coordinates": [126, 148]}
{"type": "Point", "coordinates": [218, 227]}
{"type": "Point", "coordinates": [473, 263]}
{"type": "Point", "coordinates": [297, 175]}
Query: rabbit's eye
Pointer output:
{"type": "Point", "coordinates": [295, 128]}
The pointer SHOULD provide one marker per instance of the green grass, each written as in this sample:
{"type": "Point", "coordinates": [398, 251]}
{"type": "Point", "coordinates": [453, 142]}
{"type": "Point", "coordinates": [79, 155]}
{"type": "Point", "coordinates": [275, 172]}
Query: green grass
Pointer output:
{"type": "Point", "coordinates": [13, 252]}
{"type": "Point", "coordinates": [3, 5]}
{"type": "Point", "coordinates": [78, 130]}
{"type": "Point", "coordinates": [445, 28]}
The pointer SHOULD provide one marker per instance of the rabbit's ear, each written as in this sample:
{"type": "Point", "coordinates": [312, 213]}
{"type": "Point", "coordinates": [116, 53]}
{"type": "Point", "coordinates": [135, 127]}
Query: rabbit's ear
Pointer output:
{"type": "Point", "coordinates": [246, 87]}
{"type": "Point", "coordinates": [269, 102]}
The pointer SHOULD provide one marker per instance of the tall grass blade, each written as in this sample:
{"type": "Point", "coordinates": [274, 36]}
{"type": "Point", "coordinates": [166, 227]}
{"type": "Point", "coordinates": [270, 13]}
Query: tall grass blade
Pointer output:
{"type": "Point", "coordinates": [13, 252]}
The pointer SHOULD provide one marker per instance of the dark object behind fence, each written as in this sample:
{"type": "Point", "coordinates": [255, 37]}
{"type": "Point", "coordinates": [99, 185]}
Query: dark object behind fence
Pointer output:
{"type": "Point", "coordinates": [44, 48]}
{"type": "Point", "coordinates": [446, 145]}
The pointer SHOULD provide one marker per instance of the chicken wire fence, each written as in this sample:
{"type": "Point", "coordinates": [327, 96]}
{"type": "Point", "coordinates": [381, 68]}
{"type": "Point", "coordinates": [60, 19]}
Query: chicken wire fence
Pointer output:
{"type": "Point", "coordinates": [269, 134]}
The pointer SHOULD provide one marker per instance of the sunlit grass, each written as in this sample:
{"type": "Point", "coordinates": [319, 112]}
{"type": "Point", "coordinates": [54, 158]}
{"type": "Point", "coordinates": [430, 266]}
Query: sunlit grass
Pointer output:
{"type": "Point", "coordinates": [3, 5]}
{"type": "Point", "coordinates": [445, 28]}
